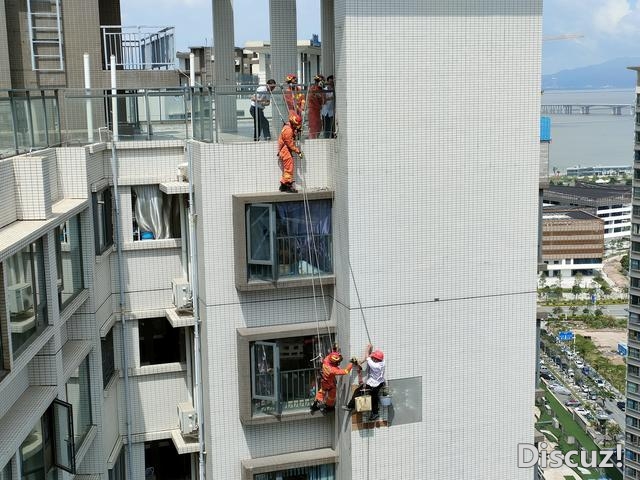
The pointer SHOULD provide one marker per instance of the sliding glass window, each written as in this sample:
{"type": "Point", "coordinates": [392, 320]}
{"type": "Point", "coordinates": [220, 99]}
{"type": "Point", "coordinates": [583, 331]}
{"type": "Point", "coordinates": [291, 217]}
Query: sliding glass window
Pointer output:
{"type": "Point", "coordinates": [69, 261]}
{"type": "Point", "coordinates": [25, 296]}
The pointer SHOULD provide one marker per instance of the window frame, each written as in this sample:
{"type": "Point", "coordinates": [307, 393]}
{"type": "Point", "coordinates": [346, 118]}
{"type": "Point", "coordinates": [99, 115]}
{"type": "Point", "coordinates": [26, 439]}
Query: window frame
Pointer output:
{"type": "Point", "coordinates": [288, 461]}
{"type": "Point", "coordinates": [240, 240]}
{"type": "Point", "coordinates": [102, 205]}
{"type": "Point", "coordinates": [79, 267]}
{"type": "Point", "coordinates": [110, 361]}
{"type": "Point", "coordinates": [246, 337]}
{"type": "Point", "coordinates": [173, 227]}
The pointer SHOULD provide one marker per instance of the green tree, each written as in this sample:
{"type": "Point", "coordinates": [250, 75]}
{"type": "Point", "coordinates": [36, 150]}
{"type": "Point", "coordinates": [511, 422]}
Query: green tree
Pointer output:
{"type": "Point", "coordinates": [624, 262]}
{"type": "Point", "coordinates": [613, 430]}
{"type": "Point", "coordinates": [605, 289]}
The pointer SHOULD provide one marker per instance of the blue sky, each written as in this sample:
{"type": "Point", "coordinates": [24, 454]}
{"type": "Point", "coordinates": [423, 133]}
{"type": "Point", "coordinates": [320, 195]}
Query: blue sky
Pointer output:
{"type": "Point", "coordinates": [611, 28]}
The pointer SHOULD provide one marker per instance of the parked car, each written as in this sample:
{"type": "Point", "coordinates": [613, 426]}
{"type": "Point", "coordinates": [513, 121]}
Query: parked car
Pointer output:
{"type": "Point", "coordinates": [585, 388]}
{"type": "Point", "coordinates": [579, 363]}
{"type": "Point", "coordinates": [572, 402]}
{"type": "Point", "coordinates": [581, 411]}
{"type": "Point", "coordinates": [547, 376]}
{"type": "Point", "coordinates": [621, 405]}
{"type": "Point", "coordinates": [600, 382]}
{"type": "Point", "coordinates": [561, 390]}
{"type": "Point", "coordinates": [593, 396]}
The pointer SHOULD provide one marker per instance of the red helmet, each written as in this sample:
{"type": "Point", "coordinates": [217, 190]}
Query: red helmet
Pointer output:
{"type": "Point", "coordinates": [335, 358]}
{"type": "Point", "coordinates": [377, 355]}
{"type": "Point", "coordinates": [291, 78]}
{"type": "Point", "coordinates": [295, 120]}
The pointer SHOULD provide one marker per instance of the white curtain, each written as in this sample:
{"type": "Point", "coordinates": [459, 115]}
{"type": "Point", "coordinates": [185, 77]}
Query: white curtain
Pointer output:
{"type": "Point", "coordinates": [153, 211]}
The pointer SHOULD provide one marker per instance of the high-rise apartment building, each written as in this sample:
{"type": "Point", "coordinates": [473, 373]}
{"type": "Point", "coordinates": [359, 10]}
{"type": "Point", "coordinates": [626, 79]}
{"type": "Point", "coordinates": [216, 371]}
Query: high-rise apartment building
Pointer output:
{"type": "Point", "coordinates": [415, 230]}
{"type": "Point", "coordinates": [632, 429]}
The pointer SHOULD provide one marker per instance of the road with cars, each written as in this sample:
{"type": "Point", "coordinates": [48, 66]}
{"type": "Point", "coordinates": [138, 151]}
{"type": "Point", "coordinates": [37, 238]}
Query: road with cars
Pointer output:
{"type": "Point", "coordinates": [561, 381]}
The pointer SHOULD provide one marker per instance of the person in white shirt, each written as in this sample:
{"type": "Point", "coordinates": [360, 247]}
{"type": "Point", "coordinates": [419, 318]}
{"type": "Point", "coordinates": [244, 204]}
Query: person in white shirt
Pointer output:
{"type": "Point", "coordinates": [327, 112]}
{"type": "Point", "coordinates": [375, 365]}
{"type": "Point", "coordinates": [261, 99]}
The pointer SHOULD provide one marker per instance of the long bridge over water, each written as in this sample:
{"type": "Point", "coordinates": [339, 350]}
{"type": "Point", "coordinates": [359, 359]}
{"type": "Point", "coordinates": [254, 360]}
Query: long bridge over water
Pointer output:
{"type": "Point", "coordinates": [588, 108]}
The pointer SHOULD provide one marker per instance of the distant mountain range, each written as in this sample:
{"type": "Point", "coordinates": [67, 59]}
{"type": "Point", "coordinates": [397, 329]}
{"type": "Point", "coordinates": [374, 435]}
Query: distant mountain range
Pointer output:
{"type": "Point", "coordinates": [610, 74]}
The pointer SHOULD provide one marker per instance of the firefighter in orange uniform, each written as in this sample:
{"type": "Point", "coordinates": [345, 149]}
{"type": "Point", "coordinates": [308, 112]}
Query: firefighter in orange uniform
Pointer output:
{"type": "Point", "coordinates": [293, 96]}
{"type": "Point", "coordinates": [316, 100]}
{"type": "Point", "coordinates": [325, 400]}
{"type": "Point", "coordinates": [287, 146]}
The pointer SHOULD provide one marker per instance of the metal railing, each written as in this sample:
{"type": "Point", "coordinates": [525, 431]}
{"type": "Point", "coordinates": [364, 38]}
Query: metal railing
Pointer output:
{"type": "Point", "coordinates": [35, 119]}
{"type": "Point", "coordinates": [29, 120]}
{"type": "Point", "coordinates": [295, 393]}
{"type": "Point", "coordinates": [139, 47]}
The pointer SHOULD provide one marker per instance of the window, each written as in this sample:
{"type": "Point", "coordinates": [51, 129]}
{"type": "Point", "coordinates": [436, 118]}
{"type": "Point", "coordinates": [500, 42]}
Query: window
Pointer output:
{"type": "Point", "coordinates": [159, 342]}
{"type": "Point", "coordinates": [79, 396]}
{"type": "Point", "coordinates": [317, 472]}
{"type": "Point", "coordinates": [634, 264]}
{"type": "Point", "coordinates": [108, 358]}
{"type": "Point", "coordinates": [282, 371]}
{"type": "Point", "coordinates": [162, 462]}
{"type": "Point", "coordinates": [102, 220]}
{"type": "Point", "coordinates": [5, 473]}
{"type": "Point", "coordinates": [156, 215]}
{"type": "Point", "coordinates": [49, 445]}
{"type": "Point", "coordinates": [69, 261]}
{"type": "Point", "coordinates": [632, 387]}
{"type": "Point", "coordinates": [283, 374]}
{"type": "Point", "coordinates": [25, 296]}
{"type": "Point", "coordinates": [282, 241]}
{"type": "Point", "coordinates": [118, 471]}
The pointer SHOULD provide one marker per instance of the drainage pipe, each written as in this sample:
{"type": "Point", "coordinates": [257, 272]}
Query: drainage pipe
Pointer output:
{"type": "Point", "coordinates": [118, 240]}
{"type": "Point", "coordinates": [193, 277]}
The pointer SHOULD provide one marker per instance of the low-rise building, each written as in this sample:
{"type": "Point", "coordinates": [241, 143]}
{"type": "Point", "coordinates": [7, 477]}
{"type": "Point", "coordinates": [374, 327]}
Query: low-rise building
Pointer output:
{"type": "Point", "coordinates": [572, 242]}
{"type": "Point", "coordinates": [611, 203]}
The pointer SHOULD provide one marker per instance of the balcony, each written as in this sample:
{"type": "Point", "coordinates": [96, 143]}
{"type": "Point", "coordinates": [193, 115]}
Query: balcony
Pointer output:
{"type": "Point", "coordinates": [36, 119]}
{"type": "Point", "coordinates": [138, 47]}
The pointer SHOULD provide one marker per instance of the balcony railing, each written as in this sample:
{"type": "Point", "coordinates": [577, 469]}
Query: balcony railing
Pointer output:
{"type": "Point", "coordinates": [29, 120]}
{"type": "Point", "coordinates": [34, 119]}
{"type": "Point", "coordinates": [296, 392]}
{"type": "Point", "coordinates": [139, 47]}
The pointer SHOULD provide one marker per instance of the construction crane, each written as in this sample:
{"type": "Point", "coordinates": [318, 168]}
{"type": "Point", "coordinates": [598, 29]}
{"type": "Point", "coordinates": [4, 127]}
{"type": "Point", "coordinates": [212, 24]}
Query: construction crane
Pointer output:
{"type": "Point", "coordinates": [564, 36]}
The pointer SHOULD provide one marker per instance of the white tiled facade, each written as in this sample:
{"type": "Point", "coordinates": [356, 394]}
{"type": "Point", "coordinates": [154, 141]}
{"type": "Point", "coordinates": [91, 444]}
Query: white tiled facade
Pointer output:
{"type": "Point", "coordinates": [433, 179]}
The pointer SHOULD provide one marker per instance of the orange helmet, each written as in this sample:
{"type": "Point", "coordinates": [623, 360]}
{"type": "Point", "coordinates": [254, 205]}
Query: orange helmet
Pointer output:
{"type": "Point", "coordinates": [295, 120]}
{"type": "Point", "coordinates": [377, 355]}
{"type": "Point", "coordinates": [335, 358]}
{"type": "Point", "coordinates": [291, 78]}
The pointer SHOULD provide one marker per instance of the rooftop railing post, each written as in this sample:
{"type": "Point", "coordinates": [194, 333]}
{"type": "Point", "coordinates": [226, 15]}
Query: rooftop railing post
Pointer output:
{"type": "Point", "coordinates": [44, 114]}
{"type": "Point", "coordinates": [87, 90]}
{"type": "Point", "coordinates": [30, 120]}
{"type": "Point", "coordinates": [114, 98]}
{"type": "Point", "coordinates": [147, 113]}
{"type": "Point", "coordinates": [56, 94]}
{"type": "Point", "coordinates": [14, 121]}
{"type": "Point", "coordinates": [210, 120]}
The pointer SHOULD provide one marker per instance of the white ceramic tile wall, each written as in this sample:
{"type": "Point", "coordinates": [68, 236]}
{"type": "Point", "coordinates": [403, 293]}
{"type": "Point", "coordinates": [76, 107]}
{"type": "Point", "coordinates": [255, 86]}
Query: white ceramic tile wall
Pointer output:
{"type": "Point", "coordinates": [7, 193]}
{"type": "Point", "coordinates": [444, 207]}
{"type": "Point", "coordinates": [33, 199]}
{"type": "Point", "coordinates": [72, 172]}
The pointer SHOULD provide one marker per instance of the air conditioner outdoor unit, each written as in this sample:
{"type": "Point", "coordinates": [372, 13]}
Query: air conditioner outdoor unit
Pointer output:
{"type": "Point", "coordinates": [181, 293]}
{"type": "Point", "coordinates": [187, 418]}
{"type": "Point", "coordinates": [20, 297]}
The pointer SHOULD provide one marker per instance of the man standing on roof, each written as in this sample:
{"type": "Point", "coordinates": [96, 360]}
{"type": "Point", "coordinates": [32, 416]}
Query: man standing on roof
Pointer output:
{"type": "Point", "coordinates": [375, 381]}
{"type": "Point", "coordinates": [325, 400]}
{"type": "Point", "coordinates": [314, 106]}
{"type": "Point", "coordinates": [328, 112]}
{"type": "Point", "coordinates": [261, 99]}
{"type": "Point", "coordinates": [293, 96]}
{"type": "Point", "coordinates": [287, 146]}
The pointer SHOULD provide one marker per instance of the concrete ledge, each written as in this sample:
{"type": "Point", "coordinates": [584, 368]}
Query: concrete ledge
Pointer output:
{"type": "Point", "coordinates": [287, 461]}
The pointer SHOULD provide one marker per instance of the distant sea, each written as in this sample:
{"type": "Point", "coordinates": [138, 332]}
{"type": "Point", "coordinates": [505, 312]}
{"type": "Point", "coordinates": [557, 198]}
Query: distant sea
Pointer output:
{"type": "Point", "coordinates": [599, 138]}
